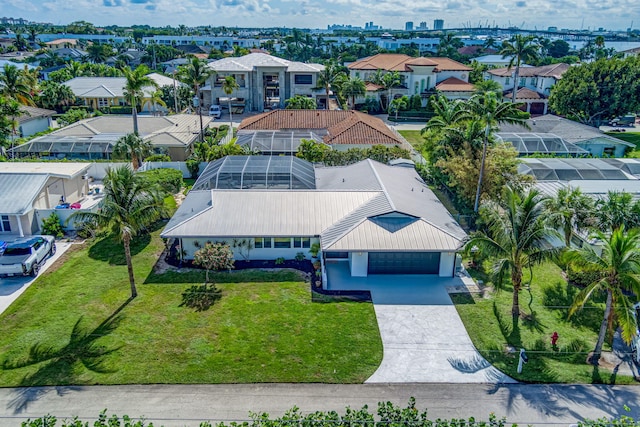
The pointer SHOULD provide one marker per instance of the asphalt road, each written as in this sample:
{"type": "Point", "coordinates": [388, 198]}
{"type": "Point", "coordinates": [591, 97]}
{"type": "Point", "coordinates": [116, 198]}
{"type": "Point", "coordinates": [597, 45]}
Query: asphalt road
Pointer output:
{"type": "Point", "coordinates": [187, 405]}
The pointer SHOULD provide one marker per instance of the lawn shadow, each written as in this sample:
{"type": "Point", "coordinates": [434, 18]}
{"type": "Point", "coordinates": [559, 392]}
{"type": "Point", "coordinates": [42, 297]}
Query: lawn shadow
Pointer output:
{"type": "Point", "coordinates": [200, 297]}
{"type": "Point", "coordinates": [110, 249]}
{"type": "Point", "coordinates": [510, 332]}
{"type": "Point", "coordinates": [60, 366]}
{"type": "Point", "coordinates": [463, 298]}
{"type": "Point", "coordinates": [560, 297]}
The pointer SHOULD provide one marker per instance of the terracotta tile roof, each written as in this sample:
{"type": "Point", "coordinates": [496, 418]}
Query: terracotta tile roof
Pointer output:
{"type": "Point", "coordinates": [453, 84]}
{"type": "Point", "coordinates": [343, 127]}
{"type": "Point", "coordinates": [372, 87]}
{"type": "Point", "coordinates": [552, 70]}
{"type": "Point", "coordinates": [524, 93]}
{"type": "Point", "coordinates": [400, 62]}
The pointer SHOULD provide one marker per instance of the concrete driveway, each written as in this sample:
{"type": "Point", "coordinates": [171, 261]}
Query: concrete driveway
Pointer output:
{"type": "Point", "coordinates": [12, 287]}
{"type": "Point", "coordinates": [423, 337]}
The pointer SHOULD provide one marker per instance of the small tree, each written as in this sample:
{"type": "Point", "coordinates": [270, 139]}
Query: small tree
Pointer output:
{"type": "Point", "coordinates": [52, 227]}
{"type": "Point", "coordinates": [214, 256]}
{"type": "Point", "coordinates": [300, 102]}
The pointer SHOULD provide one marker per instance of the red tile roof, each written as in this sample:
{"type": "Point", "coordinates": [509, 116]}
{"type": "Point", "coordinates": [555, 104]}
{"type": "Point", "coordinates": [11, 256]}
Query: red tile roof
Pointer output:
{"type": "Point", "coordinates": [400, 62]}
{"type": "Point", "coordinates": [343, 127]}
{"type": "Point", "coordinates": [453, 84]}
{"type": "Point", "coordinates": [524, 93]}
{"type": "Point", "coordinates": [372, 87]}
{"type": "Point", "coordinates": [552, 70]}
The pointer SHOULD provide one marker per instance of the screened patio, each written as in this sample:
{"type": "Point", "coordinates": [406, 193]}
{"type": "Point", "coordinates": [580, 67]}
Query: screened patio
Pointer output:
{"type": "Point", "coordinates": [541, 143]}
{"type": "Point", "coordinates": [70, 147]}
{"type": "Point", "coordinates": [276, 142]}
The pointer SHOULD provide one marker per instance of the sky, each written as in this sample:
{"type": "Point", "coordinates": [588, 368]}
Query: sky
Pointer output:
{"type": "Point", "coordinates": [540, 14]}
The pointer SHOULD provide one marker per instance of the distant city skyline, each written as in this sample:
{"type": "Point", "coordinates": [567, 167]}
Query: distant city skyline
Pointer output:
{"type": "Point", "coordinates": [540, 14]}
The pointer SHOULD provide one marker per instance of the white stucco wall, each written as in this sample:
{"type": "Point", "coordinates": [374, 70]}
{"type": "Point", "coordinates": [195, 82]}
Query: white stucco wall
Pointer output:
{"type": "Point", "coordinates": [34, 126]}
{"type": "Point", "coordinates": [359, 263]}
{"type": "Point", "coordinates": [447, 262]}
{"type": "Point", "coordinates": [254, 254]}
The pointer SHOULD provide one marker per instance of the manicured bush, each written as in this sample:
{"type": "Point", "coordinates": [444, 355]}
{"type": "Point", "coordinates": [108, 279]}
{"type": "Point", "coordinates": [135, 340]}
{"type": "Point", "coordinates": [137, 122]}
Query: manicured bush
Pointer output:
{"type": "Point", "coordinates": [158, 158]}
{"type": "Point", "coordinates": [169, 180]}
{"type": "Point", "coordinates": [52, 227]}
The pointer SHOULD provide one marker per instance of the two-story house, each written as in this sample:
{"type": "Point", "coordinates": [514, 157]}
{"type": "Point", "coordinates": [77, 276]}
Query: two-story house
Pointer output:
{"type": "Point", "coordinates": [264, 81]}
{"type": "Point", "coordinates": [534, 84]}
{"type": "Point", "coordinates": [418, 76]}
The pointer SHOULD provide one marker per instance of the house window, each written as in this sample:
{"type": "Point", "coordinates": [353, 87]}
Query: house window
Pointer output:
{"type": "Point", "coordinates": [534, 81]}
{"type": "Point", "coordinates": [523, 81]}
{"type": "Point", "coordinates": [281, 242]}
{"type": "Point", "coordinates": [262, 242]}
{"type": "Point", "coordinates": [506, 81]}
{"type": "Point", "coordinates": [338, 255]}
{"type": "Point", "coordinates": [303, 79]}
{"type": "Point", "coordinates": [103, 102]}
{"type": "Point", "coordinates": [301, 242]}
{"type": "Point", "coordinates": [5, 225]}
{"type": "Point", "coordinates": [609, 151]}
{"type": "Point", "coordinates": [357, 75]}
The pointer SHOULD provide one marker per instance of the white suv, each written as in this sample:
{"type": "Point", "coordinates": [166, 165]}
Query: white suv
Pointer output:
{"type": "Point", "coordinates": [215, 111]}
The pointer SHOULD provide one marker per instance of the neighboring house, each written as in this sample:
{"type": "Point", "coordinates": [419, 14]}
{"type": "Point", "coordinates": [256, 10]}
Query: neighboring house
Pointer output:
{"type": "Point", "coordinates": [551, 134]}
{"type": "Point", "coordinates": [475, 50]}
{"type": "Point", "coordinates": [419, 76]}
{"type": "Point", "coordinates": [34, 120]}
{"type": "Point", "coordinates": [172, 65]}
{"type": "Point", "coordinates": [368, 218]}
{"type": "Point", "coordinates": [281, 131]}
{"type": "Point", "coordinates": [132, 57]}
{"type": "Point", "coordinates": [265, 81]}
{"type": "Point", "coordinates": [61, 43]}
{"type": "Point", "coordinates": [454, 88]}
{"type": "Point", "coordinates": [630, 52]}
{"type": "Point", "coordinates": [535, 80]}
{"type": "Point", "coordinates": [94, 138]}
{"type": "Point", "coordinates": [30, 191]}
{"type": "Point", "coordinates": [100, 92]}
{"type": "Point", "coordinates": [67, 53]}
{"type": "Point", "coordinates": [495, 61]}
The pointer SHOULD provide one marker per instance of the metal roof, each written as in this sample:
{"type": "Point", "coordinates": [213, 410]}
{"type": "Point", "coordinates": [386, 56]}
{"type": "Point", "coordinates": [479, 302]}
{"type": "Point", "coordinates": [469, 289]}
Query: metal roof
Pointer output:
{"type": "Point", "coordinates": [546, 143]}
{"type": "Point", "coordinates": [60, 170]}
{"type": "Point", "coordinates": [552, 169]}
{"type": "Point", "coordinates": [18, 191]}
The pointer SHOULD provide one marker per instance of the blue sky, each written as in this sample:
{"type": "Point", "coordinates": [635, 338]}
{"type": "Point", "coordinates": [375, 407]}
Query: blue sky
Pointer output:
{"type": "Point", "coordinates": [611, 14]}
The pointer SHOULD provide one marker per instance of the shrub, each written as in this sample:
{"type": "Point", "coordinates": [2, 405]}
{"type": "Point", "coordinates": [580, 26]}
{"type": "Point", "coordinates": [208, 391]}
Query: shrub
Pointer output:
{"type": "Point", "coordinates": [168, 179]}
{"type": "Point", "coordinates": [52, 227]}
{"type": "Point", "coordinates": [194, 167]}
{"type": "Point", "coordinates": [279, 261]}
{"type": "Point", "coordinates": [158, 158]}
{"type": "Point", "coordinates": [72, 116]}
{"type": "Point", "coordinates": [214, 256]}
{"type": "Point", "coordinates": [300, 256]}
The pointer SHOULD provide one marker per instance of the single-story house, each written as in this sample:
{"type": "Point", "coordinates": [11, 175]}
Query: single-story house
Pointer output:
{"type": "Point", "coordinates": [31, 191]}
{"type": "Point", "coordinates": [94, 138]}
{"type": "Point", "coordinates": [339, 129]}
{"type": "Point", "coordinates": [34, 120]}
{"type": "Point", "coordinates": [376, 218]}
{"type": "Point", "coordinates": [495, 60]}
{"type": "Point", "coordinates": [551, 134]}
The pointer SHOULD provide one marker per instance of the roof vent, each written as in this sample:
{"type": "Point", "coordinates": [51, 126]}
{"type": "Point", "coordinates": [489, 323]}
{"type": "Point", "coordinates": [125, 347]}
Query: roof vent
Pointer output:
{"type": "Point", "coordinates": [342, 179]}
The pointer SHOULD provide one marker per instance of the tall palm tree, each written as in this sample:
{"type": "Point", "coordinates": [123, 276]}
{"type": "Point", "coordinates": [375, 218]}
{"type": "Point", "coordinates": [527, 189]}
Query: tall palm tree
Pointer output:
{"type": "Point", "coordinates": [328, 78]}
{"type": "Point", "coordinates": [228, 86]}
{"type": "Point", "coordinates": [133, 147]}
{"type": "Point", "coordinates": [517, 237]}
{"type": "Point", "coordinates": [490, 112]}
{"type": "Point", "coordinates": [569, 210]}
{"type": "Point", "coordinates": [153, 99]}
{"type": "Point", "coordinates": [389, 81]}
{"type": "Point", "coordinates": [13, 85]}
{"type": "Point", "coordinates": [354, 87]}
{"type": "Point", "coordinates": [129, 206]}
{"type": "Point", "coordinates": [136, 81]}
{"type": "Point", "coordinates": [446, 113]}
{"type": "Point", "coordinates": [619, 273]}
{"type": "Point", "coordinates": [520, 49]}
{"type": "Point", "coordinates": [195, 73]}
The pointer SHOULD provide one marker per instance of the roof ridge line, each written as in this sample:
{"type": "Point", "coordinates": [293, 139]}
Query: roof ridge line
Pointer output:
{"type": "Point", "coordinates": [384, 189]}
{"type": "Point", "coordinates": [192, 217]}
{"type": "Point", "coordinates": [349, 230]}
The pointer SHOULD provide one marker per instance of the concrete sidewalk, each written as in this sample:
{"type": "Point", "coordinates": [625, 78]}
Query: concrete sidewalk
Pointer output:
{"type": "Point", "coordinates": [187, 405]}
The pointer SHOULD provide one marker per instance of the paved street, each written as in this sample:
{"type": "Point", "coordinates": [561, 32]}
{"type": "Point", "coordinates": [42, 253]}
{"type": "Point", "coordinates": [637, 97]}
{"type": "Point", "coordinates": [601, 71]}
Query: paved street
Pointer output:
{"type": "Point", "coordinates": [184, 405]}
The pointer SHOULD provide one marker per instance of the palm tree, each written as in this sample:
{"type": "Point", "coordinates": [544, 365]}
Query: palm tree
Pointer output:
{"type": "Point", "coordinates": [136, 81]}
{"type": "Point", "coordinates": [195, 73]}
{"type": "Point", "coordinates": [9, 111]}
{"type": "Point", "coordinates": [328, 78]}
{"type": "Point", "coordinates": [449, 45]}
{"type": "Point", "coordinates": [487, 86]}
{"type": "Point", "coordinates": [397, 105]}
{"type": "Point", "coordinates": [446, 113]}
{"type": "Point", "coordinates": [520, 49]}
{"type": "Point", "coordinates": [616, 210]}
{"type": "Point", "coordinates": [154, 99]}
{"type": "Point", "coordinates": [133, 147]}
{"type": "Point", "coordinates": [228, 86]}
{"type": "Point", "coordinates": [389, 81]}
{"type": "Point", "coordinates": [354, 87]}
{"type": "Point", "coordinates": [618, 268]}
{"type": "Point", "coordinates": [130, 205]}
{"type": "Point", "coordinates": [569, 210]}
{"type": "Point", "coordinates": [490, 112]}
{"type": "Point", "coordinates": [13, 85]}
{"type": "Point", "coordinates": [517, 237]}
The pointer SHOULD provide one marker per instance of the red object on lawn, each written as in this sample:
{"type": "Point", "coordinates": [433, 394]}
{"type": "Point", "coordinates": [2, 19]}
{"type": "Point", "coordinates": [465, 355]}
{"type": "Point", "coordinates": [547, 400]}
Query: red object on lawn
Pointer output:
{"type": "Point", "coordinates": [554, 339]}
{"type": "Point", "coordinates": [75, 205]}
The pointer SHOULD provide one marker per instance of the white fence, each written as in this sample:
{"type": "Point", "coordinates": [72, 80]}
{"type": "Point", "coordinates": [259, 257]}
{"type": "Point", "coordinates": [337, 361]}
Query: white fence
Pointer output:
{"type": "Point", "coordinates": [63, 215]}
{"type": "Point", "coordinates": [181, 166]}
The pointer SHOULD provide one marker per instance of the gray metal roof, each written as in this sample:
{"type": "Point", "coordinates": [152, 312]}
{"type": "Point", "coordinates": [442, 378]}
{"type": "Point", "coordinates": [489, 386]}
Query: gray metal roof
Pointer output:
{"type": "Point", "coordinates": [545, 169]}
{"type": "Point", "coordinates": [256, 60]}
{"type": "Point", "coordinates": [275, 141]}
{"type": "Point", "coordinates": [546, 143]}
{"type": "Point", "coordinates": [19, 191]}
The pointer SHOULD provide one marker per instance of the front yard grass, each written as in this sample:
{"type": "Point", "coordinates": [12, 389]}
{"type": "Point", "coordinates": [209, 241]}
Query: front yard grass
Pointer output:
{"type": "Point", "coordinates": [413, 137]}
{"type": "Point", "coordinates": [76, 325]}
{"type": "Point", "coordinates": [488, 322]}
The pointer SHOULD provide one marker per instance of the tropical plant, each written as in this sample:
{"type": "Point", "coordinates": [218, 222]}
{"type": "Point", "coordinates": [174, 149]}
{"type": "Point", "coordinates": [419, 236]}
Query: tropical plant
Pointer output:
{"type": "Point", "coordinates": [99, 52]}
{"type": "Point", "coordinates": [195, 73]}
{"type": "Point", "coordinates": [328, 77]}
{"type": "Point", "coordinates": [133, 147]}
{"type": "Point", "coordinates": [300, 102]}
{"type": "Point", "coordinates": [214, 256]}
{"type": "Point", "coordinates": [449, 45]}
{"type": "Point", "coordinates": [55, 95]}
{"type": "Point", "coordinates": [354, 87]}
{"type": "Point", "coordinates": [446, 113]}
{"type": "Point", "coordinates": [136, 81]}
{"type": "Point", "coordinates": [72, 115]}
{"type": "Point", "coordinates": [617, 210]}
{"type": "Point", "coordinates": [485, 86]}
{"type": "Point", "coordinates": [229, 86]}
{"type": "Point", "coordinates": [517, 237]}
{"type": "Point", "coordinates": [153, 99]}
{"type": "Point", "coordinates": [490, 112]}
{"type": "Point", "coordinates": [520, 49]}
{"type": "Point", "coordinates": [617, 272]}
{"type": "Point", "coordinates": [129, 207]}
{"type": "Point", "coordinates": [9, 112]}
{"type": "Point", "coordinates": [51, 226]}
{"type": "Point", "coordinates": [397, 105]}
{"type": "Point", "coordinates": [389, 81]}
{"type": "Point", "coordinates": [569, 210]}
{"type": "Point", "coordinates": [14, 85]}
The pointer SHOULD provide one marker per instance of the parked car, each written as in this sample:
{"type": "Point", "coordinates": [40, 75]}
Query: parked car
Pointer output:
{"type": "Point", "coordinates": [628, 120]}
{"type": "Point", "coordinates": [25, 256]}
{"type": "Point", "coordinates": [215, 111]}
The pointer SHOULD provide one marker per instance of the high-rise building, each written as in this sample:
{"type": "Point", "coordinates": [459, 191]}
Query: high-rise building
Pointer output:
{"type": "Point", "coordinates": [423, 25]}
{"type": "Point", "coordinates": [438, 24]}
{"type": "Point", "coordinates": [408, 26]}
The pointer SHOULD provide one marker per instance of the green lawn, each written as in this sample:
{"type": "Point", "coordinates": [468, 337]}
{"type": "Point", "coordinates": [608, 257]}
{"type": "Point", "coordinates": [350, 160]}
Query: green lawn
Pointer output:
{"type": "Point", "coordinates": [633, 137]}
{"type": "Point", "coordinates": [414, 137]}
{"type": "Point", "coordinates": [488, 321]}
{"type": "Point", "coordinates": [264, 328]}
